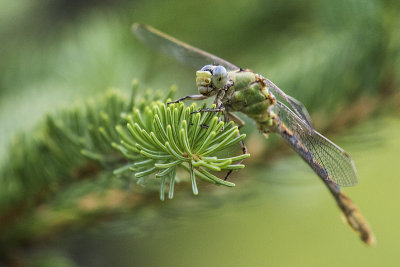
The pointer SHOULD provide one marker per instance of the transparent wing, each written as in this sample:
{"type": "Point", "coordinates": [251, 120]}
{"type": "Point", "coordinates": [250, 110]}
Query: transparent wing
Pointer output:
{"type": "Point", "coordinates": [198, 58]}
{"type": "Point", "coordinates": [297, 106]}
{"type": "Point", "coordinates": [179, 50]}
{"type": "Point", "coordinates": [328, 160]}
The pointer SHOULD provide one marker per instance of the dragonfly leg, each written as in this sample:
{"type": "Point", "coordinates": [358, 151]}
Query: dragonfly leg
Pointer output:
{"type": "Point", "coordinates": [236, 119]}
{"type": "Point", "coordinates": [244, 150]}
{"type": "Point", "coordinates": [218, 103]}
{"type": "Point", "coordinates": [191, 97]}
{"type": "Point", "coordinates": [204, 126]}
{"type": "Point", "coordinates": [220, 109]}
{"type": "Point", "coordinates": [201, 125]}
{"type": "Point", "coordinates": [230, 116]}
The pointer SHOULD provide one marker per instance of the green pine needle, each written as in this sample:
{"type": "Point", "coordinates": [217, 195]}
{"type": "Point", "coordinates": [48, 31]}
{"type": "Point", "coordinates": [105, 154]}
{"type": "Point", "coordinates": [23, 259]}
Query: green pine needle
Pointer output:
{"type": "Point", "coordinates": [177, 137]}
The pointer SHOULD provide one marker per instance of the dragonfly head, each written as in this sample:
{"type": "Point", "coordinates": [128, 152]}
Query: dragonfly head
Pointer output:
{"type": "Point", "coordinates": [210, 79]}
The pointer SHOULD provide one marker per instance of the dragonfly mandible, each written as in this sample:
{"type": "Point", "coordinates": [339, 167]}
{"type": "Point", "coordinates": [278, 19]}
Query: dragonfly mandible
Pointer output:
{"type": "Point", "coordinates": [242, 90]}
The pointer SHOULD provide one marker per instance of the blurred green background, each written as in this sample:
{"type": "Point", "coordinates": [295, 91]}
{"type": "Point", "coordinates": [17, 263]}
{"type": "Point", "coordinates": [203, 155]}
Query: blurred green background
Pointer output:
{"type": "Point", "coordinates": [340, 58]}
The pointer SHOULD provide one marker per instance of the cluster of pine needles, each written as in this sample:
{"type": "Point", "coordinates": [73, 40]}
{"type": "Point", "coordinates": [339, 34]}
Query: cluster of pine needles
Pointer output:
{"type": "Point", "coordinates": [137, 139]}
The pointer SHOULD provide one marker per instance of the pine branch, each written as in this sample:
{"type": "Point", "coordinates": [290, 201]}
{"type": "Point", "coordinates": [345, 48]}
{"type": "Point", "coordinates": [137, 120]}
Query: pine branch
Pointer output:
{"type": "Point", "coordinates": [114, 139]}
{"type": "Point", "coordinates": [167, 137]}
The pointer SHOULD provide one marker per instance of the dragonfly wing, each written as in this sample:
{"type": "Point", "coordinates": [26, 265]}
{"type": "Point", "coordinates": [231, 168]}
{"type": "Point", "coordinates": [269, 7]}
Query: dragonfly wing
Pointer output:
{"type": "Point", "coordinates": [179, 50]}
{"type": "Point", "coordinates": [297, 106]}
{"type": "Point", "coordinates": [328, 160]}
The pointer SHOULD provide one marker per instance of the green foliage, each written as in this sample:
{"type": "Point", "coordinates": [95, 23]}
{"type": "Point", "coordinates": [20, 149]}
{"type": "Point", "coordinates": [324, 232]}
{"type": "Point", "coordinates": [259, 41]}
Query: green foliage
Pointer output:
{"type": "Point", "coordinates": [42, 162]}
{"type": "Point", "coordinates": [108, 139]}
{"type": "Point", "coordinates": [165, 137]}
{"type": "Point", "coordinates": [81, 142]}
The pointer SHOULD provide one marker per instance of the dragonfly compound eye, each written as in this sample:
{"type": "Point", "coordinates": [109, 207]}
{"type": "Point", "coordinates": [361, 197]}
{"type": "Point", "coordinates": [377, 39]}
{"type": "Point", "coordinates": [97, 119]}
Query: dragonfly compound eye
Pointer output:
{"type": "Point", "coordinates": [219, 77]}
{"type": "Point", "coordinates": [207, 68]}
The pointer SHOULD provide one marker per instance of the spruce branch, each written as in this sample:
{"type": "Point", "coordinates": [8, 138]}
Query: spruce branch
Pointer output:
{"type": "Point", "coordinates": [167, 137]}
{"type": "Point", "coordinates": [95, 147]}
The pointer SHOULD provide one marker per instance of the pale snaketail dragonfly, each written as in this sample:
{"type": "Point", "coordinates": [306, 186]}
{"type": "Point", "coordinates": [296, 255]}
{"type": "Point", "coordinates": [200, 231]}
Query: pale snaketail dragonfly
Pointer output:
{"type": "Point", "coordinates": [241, 90]}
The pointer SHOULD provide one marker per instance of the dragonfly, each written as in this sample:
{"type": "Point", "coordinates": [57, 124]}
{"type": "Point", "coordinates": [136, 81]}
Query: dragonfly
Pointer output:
{"type": "Point", "coordinates": [241, 90]}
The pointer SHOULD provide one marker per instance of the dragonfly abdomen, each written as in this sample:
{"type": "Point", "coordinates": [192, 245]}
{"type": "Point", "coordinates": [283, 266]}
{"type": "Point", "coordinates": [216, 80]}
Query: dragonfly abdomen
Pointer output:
{"type": "Point", "coordinates": [296, 143]}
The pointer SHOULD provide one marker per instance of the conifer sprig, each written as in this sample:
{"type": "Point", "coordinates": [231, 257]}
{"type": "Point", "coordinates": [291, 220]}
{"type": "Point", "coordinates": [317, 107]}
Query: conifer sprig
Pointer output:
{"type": "Point", "coordinates": [166, 137]}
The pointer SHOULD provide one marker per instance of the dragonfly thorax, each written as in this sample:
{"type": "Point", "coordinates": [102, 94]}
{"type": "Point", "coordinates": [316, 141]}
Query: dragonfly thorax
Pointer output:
{"type": "Point", "coordinates": [210, 79]}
